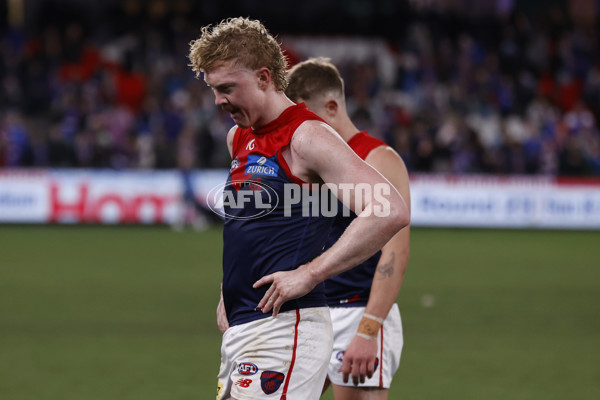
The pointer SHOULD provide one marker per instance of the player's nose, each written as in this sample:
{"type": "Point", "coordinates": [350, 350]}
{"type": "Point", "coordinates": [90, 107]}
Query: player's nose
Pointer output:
{"type": "Point", "coordinates": [220, 100]}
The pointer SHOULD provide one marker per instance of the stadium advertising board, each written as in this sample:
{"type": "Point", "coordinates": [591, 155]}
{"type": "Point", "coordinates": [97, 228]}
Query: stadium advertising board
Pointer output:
{"type": "Point", "coordinates": [106, 197]}
{"type": "Point", "coordinates": [510, 202]}
{"type": "Point", "coordinates": [155, 197]}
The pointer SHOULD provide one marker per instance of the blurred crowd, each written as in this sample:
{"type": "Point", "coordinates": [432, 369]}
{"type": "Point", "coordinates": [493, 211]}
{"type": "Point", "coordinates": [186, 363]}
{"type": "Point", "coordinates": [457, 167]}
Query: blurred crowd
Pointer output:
{"type": "Point", "coordinates": [512, 94]}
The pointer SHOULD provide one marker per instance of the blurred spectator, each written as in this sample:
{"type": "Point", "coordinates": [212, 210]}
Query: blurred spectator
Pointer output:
{"type": "Point", "coordinates": [486, 89]}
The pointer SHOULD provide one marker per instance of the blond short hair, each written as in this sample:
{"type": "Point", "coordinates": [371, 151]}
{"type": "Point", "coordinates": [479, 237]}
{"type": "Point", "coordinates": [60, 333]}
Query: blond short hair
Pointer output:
{"type": "Point", "coordinates": [313, 77]}
{"type": "Point", "coordinates": [245, 43]}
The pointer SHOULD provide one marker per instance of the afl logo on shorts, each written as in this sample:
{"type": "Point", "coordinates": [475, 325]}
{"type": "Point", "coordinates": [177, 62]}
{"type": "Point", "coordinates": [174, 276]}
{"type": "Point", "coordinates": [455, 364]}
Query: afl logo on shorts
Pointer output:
{"type": "Point", "coordinates": [270, 381]}
{"type": "Point", "coordinates": [247, 368]}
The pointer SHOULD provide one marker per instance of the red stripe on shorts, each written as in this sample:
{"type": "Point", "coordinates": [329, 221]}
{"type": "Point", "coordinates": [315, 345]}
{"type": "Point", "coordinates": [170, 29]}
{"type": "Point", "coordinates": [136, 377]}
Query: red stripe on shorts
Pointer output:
{"type": "Point", "coordinates": [381, 360]}
{"type": "Point", "coordinates": [287, 379]}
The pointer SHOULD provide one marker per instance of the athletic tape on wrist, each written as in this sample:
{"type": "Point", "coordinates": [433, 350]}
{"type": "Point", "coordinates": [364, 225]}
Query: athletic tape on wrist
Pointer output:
{"type": "Point", "coordinates": [380, 320]}
{"type": "Point", "coordinates": [362, 335]}
{"type": "Point", "coordinates": [369, 327]}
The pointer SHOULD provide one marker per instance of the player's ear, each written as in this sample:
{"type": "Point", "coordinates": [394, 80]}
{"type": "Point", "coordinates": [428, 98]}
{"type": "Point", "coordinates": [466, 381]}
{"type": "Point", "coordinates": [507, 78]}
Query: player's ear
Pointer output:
{"type": "Point", "coordinates": [263, 76]}
{"type": "Point", "coordinates": [331, 107]}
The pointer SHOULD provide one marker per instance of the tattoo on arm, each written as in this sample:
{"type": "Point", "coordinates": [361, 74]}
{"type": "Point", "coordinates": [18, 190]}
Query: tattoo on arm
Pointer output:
{"type": "Point", "coordinates": [386, 270]}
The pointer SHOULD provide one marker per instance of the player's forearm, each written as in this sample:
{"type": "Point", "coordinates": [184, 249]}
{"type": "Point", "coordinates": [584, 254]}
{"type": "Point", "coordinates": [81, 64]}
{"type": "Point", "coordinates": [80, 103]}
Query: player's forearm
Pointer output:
{"type": "Point", "coordinates": [387, 282]}
{"type": "Point", "coordinates": [363, 238]}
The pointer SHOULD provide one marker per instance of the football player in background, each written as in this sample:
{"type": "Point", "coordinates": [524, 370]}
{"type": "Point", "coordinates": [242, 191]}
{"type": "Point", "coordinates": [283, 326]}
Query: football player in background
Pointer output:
{"type": "Point", "coordinates": [366, 321]}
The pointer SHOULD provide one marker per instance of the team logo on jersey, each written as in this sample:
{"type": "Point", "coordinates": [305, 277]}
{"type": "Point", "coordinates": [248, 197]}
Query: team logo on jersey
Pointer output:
{"type": "Point", "coordinates": [270, 381]}
{"type": "Point", "coordinates": [234, 163]}
{"type": "Point", "coordinates": [261, 165]}
{"type": "Point", "coordinates": [246, 368]}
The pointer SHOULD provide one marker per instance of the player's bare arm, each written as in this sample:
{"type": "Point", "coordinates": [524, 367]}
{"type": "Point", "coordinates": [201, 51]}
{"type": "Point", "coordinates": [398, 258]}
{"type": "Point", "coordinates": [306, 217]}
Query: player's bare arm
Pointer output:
{"type": "Point", "coordinates": [222, 321]}
{"type": "Point", "coordinates": [310, 158]}
{"type": "Point", "coordinates": [230, 136]}
{"type": "Point", "coordinates": [360, 356]}
{"type": "Point", "coordinates": [390, 271]}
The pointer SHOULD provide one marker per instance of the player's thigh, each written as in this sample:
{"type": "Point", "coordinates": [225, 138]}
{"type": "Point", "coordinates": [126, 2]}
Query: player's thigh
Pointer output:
{"type": "Point", "coordinates": [273, 356]}
{"type": "Point", "coordinates": [355, 393]}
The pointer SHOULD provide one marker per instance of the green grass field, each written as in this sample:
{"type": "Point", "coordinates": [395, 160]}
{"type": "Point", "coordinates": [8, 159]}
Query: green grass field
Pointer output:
{"type": "Point", "coordinates": [126, 313]}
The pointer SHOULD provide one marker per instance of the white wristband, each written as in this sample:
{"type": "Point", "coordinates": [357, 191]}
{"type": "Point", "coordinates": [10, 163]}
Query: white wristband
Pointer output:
{"type": "Point", "coordinates": [362, 335]}
{"type": "Point", "coordinates": [374, 318]}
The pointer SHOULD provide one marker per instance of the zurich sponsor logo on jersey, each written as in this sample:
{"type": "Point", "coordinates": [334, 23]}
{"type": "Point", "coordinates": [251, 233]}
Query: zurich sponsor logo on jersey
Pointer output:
{"type": "Point", "coordinates": [261, 165]}
{"type": "Point", "coordinates": [247, 368]}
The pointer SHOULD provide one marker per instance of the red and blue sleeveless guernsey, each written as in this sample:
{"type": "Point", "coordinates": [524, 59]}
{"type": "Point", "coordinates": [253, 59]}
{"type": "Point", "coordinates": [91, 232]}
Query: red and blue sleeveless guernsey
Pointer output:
{"type": "Point", "coordinates": [352, 288]}
{"type": "Point", "coordinates": [263, 233]}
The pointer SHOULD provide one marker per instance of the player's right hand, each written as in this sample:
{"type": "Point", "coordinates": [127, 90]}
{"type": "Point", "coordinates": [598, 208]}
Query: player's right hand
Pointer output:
{"type": "Point", "coordinates": [359, 360]}
{"type": "Point", "coordinates": [285, 286]}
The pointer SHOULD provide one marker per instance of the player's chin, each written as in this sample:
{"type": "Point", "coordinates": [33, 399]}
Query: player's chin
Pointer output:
{"type": "Point", "coordinates": [240, 120]}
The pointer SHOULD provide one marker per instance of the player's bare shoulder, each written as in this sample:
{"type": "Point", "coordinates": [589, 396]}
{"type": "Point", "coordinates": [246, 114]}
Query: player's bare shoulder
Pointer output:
{"type": "Point", "coordinates": [315, 137]}
{"type": "Point", "coordinates": [312, 143]}
{"type": "Point", "coordinates": [230, 137]}
{"type": "Point", "coordinates": [389, 163]}
{"type": "Point", "coordinates": [385, 155]}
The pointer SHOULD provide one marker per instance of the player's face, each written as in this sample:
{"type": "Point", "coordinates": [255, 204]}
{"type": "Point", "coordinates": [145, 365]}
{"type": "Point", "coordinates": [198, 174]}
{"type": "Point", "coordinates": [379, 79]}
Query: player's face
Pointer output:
{"type": "Point", "coordinates": [236, 91]}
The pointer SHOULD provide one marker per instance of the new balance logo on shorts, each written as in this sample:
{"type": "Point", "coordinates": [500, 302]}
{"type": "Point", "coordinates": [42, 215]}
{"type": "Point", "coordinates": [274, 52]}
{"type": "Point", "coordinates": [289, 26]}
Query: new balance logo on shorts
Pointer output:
{"type": "Point", "coordinates": [243, 382]}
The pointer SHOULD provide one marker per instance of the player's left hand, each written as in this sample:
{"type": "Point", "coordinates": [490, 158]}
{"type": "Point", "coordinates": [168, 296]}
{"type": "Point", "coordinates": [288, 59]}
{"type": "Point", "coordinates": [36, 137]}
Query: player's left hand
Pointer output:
{"type": "Point", "coordinates": [285, 286]}
{"type": "Point", "coordinates": [359, 360]}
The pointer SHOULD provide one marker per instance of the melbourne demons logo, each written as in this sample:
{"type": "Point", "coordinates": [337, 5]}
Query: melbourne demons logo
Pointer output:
{"type": "Point", "coordinates": [270, 381]}
{"type": "Point", "coordinates": [246, 368]}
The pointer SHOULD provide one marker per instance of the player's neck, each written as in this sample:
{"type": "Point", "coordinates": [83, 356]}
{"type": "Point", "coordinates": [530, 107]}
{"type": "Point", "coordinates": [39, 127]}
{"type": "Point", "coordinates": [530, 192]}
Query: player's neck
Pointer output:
{"type": "Point", "coordinates": [274, 105]}
{"type": "Point", "coordinates": [346, 129]}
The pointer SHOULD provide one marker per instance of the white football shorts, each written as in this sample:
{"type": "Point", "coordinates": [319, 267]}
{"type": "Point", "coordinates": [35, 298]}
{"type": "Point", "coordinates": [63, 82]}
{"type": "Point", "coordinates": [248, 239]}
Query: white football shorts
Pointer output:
{"type": "Point", "coordinates": [345, 322]}
{"type": "Point", "coordinates": [284, 358]}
